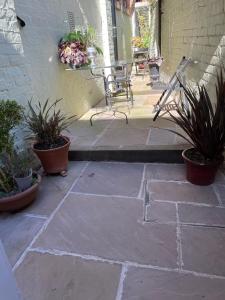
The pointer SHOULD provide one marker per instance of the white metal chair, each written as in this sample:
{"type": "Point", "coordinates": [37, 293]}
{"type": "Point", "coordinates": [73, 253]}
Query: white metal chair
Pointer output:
{"type": "Point", "coordinates": [119, 84]}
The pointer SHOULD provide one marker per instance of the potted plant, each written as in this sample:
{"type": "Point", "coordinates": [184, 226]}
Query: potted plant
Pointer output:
{"type": "Point", "coordinates": [92, 48]}
{"type": "Point", "coordinates": [47, 123]}
{"type": "Point", "coordinates": [204, 126]}
{"type": "Point", "coordinates": [78, 48]}
{"type": "Point", "coordinates": [12, 196]}
{"type": "Point", "coordinates": [21, 165]}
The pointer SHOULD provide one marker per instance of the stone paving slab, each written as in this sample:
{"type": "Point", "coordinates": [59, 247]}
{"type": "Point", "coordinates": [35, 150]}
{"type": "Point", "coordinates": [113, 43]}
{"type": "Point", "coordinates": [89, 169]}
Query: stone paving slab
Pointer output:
{"type": "Point", "coordinates": [16, 233]}
{"type": "Point", "coordinates": [161, 137]}
{"type": "Point", "coordinates": [50, 277]}
{"type": "Point", "coordinates": [173, 172]}
{"type": "Point", "coordinates": [161, 212]}
{"type": "Point", "coordinates": [211, 216]}
{"type": "Point", "coordinates": [110, 228]}
{"type": "Point", "coordinates": [141, 123]}
{"type": "Point", "coordinates": [220, 189]}
{"type": "Point", "coordinates": [53, 189]}
{"type": "Point", "coordinates": [123, 137]}
{"type": "Point", "coordinates": [203, 249]}
{"type": "Point", "coordinates": [111, 179]}
{"type": "Point", "coordinates": [182, 192]}
{"type": "Point", "coordinates": [84, 134]}
{"type": "Point", "coordinates": [146, 284]}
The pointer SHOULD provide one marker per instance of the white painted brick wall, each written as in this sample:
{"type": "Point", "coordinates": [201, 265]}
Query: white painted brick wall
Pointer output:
{"type": "Point", "coordinates": [14, 77]}
{"type": "Point", "coordinates": [29, 65]}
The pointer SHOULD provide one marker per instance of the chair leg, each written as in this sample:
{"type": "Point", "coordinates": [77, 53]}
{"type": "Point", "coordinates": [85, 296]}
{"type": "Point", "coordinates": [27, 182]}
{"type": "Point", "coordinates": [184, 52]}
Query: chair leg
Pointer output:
{"type": "Point", "coordinates": [123, 113]}
{"type": "Point", "coordinates": [131, 95]}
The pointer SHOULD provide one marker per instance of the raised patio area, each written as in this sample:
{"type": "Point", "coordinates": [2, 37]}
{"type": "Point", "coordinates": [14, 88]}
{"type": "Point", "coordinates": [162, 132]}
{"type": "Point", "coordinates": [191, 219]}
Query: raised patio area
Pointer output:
{"type": "Point", "coordinates": [85, 236]}
{"type": "Point", "coordinates": [112, 133]}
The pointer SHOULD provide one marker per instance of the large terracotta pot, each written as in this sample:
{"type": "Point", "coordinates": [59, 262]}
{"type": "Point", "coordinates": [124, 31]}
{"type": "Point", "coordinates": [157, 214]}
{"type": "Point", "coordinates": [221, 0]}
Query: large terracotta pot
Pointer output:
{"type": "Point", "coordinates": [198, 173]}
{"type": "Point", "coordinates": [54, 160]}
{"type": "Point", "coordinates": [20, 200]}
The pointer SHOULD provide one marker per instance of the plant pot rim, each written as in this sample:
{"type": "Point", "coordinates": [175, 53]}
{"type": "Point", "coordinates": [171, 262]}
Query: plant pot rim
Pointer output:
{"type": "Point", "coordinates": [24, 193]}
{"type": "Point", "coordinates": [52, 149]}
{"type": "Point", "coordinates": [210, 163]}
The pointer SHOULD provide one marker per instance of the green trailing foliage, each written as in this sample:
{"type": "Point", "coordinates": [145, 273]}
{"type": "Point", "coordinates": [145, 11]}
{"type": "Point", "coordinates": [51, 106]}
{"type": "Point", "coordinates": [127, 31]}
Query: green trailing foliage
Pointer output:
{"type": "Point", "coordinates": [87, 38]}
{"type": "Point", "coordinates": [204, 123]}
{"type": "Point", "coordinates": [11, 115]}
{"type": "Point", "coordinates": [47, 122]}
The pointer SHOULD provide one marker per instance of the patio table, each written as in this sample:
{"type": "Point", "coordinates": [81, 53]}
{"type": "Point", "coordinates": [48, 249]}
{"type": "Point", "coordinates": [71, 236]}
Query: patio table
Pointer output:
{"type": "Point", "coordinates": [101, 73]}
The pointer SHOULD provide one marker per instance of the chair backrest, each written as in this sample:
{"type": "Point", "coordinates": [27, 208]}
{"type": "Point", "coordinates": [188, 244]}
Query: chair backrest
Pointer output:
{"type": "Point", "coordinates": [125, 70]}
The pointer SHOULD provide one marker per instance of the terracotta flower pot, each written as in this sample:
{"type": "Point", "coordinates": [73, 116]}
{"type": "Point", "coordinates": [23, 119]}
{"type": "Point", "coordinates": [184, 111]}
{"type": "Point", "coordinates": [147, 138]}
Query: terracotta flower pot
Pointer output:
{"type": "Point", "coordinates": [141, 66]}
{"type": "Point", "coordinates": [21, 199]}
{"type": "Point", "coordinates": [199, 173]}
{"type": "Point", "coordinates": [54, 160]}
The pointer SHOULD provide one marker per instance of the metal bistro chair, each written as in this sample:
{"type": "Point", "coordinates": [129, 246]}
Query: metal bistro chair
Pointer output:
{"type": "Point", "coordinates": [119, 84]}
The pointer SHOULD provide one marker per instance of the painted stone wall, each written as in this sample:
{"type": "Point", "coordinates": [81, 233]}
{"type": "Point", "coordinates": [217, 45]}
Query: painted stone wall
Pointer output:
{"type": "Point", "coordinates": [28, 56]}
{"type": "Point", "coordinates": [124, 25]}
{"type": "Point", "coordinates": [195, 29]}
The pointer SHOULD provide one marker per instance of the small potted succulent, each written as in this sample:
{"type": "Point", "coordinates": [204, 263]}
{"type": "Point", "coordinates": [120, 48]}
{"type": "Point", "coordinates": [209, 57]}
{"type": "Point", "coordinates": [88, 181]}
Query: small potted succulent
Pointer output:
{"type": "Point", "coordinates": [22, 170]}
{"type": "Point", "coordinates": [47, 123]}
{"type": "Point", "coordinates": [203, 125]}
{"type": "Point", "coordinates": [78, 48]}
{"type": "Point", "coordinates": [13, 196]}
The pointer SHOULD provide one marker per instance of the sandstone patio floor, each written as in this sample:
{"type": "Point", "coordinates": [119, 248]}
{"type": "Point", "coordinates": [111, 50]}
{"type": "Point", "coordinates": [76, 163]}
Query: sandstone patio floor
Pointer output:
{"type": "Point", "coordinates": [112, 133]}
{"type": "Point", "coordinates": [85, 237]}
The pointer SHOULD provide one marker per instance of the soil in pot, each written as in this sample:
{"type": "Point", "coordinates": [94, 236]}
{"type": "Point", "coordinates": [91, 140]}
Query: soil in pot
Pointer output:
{"type": "Point", "coordinates": [54, 158]}
{"type": "Point", "coordinates": [200, 171]}
{"type": "Point", "coordinates": [61, 141]}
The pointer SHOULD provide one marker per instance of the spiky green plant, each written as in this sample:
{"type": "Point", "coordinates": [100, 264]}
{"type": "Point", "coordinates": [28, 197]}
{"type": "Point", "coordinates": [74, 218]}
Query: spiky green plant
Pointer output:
{"type": "Point", "coordinates": [11, 114]}
{"type": "Point", "coordinates": [6, 181]}
{"type": "Point", "coordinates": [47, 122]}
{"type": "Point", "coordinates": [6, 175]}
{"type": "Point", "coordinates": [204, 123]}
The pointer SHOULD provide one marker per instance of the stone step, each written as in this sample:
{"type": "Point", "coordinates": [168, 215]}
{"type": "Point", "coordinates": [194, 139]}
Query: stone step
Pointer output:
{"type": "Point", "coordinates": [128, 155]}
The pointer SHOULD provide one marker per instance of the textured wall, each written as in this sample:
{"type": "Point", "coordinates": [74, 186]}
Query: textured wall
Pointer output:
{"type": "Point", "coordinates": [28, 56]}
{"type": "Point", "coordinates": [124, 24]}
{"type": "Point", "coordinates": [15, 81]}
{"type": "Point", "coordinates": [195, 29]}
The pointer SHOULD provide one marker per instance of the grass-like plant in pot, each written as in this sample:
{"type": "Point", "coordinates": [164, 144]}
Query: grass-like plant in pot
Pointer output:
{"type": "Point", "coordinates": [47, 123]}
{"type": "Point", "coordinates": [17, 190]}
{"type": "Point", "coordinates": [13, 196]}
{"type": "Point", "coordinates": [204, 128]}
{"type": "Point", "coordinates": [21, 162]}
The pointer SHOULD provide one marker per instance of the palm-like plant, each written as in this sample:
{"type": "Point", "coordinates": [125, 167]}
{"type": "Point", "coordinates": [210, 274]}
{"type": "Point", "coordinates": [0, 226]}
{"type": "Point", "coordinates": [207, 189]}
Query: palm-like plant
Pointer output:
{"type": "Point", "coordinates": [47, 122]}
{"type": "Point", "coordinates": [203, 123]}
